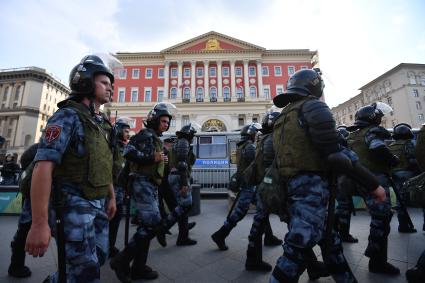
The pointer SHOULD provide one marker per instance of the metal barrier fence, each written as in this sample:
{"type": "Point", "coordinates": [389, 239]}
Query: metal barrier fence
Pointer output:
{"type": "Point", "coordinates": [212, 179]}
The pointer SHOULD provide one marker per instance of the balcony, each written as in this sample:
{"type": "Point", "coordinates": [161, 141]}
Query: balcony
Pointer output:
{"type": "Point", "coordinates": [241, 99]}
{"type": "Point", "coordinates": [186, 100]}
{"type": "Point", "coordinates": [227, 99]}
{"type": "Point", "coordinates": [199, 99]}
{"type": "Point", "coordinates": [213, 99]}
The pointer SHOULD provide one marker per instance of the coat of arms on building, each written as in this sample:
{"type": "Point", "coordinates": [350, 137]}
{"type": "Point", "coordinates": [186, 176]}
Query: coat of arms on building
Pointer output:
{"type": "Point", "coordinates": [213, 44]}
{"type": "Point", "coordinates": [213, 125]}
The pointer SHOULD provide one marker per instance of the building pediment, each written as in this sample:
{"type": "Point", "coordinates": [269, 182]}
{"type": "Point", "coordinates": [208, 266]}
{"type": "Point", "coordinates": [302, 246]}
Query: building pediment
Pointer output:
{"type": "Point", "coordinates": [212, 42]}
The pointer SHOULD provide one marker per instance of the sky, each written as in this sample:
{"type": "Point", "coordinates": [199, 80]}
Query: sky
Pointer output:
{"type": "Point", "coordinates": [357, 40]}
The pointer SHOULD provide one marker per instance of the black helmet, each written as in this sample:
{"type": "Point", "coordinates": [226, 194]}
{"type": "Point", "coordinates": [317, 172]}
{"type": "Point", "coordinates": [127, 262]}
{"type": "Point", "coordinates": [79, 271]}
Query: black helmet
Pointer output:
{"type": "Point", "coordinates": [343, 131]}
{"type": "Point", "coordinates": [268, 121]}
{"type": "Point", "coordinates": [81, 78]}
{"type": "Point", "coordinates": [371, 114]}
{"type": "Point", "coordinates": [250, 130]}
{"type": "Point", "coordinates": [159, 110]}
{"type": "Point", "coordinates": [120, 125]}
{"type": "Point", "coordinates": [402, 131]}
{"type": "Point", "coordinates": [303, 83]}
{"type": "Point", "coordinates": [188, 131]}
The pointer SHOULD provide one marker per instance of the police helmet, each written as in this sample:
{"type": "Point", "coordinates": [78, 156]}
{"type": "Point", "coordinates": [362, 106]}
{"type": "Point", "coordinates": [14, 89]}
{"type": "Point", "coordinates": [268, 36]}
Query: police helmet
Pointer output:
{"type": "Point", "coordinates": [303, 83]}
{"type": "Point", "coordinates": [343, 131]}
{"type": "Point", "coordinates": [81, 78]}
{"type": "Point", "coordinates": [120, 125]}
{"type": "Point", "coordinates": [250, 130]}
{"type": "Point", "coordinates": [188, 131]}
{"type": "Point", "coordinates": [268, 121]}
{"type": "Point", "coordinates": [371, 114]}
{"type": "Point", "coordinates": [159, 110]}
{"type": "Point", "coordinates": [402, 131]}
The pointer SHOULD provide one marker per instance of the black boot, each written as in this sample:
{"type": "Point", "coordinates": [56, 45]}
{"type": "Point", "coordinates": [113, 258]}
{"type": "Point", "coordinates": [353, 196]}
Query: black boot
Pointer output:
{"type": "Point", "coordinates": [17, 266]}
{"type": "Point", "coordinates": [139, 269]}
{"type": "Point", "coordinates": [160, 232]}
{"type": "Point", "coordinates": [254, 258]}
{"type": "Point", "coordinates": [415, 275]}
{"type": "Point", "coordinates": [191, 225]}
{"type": "Point", "coordinates": [344, 231]}
{"type": "Point", "coordinates": [183, 238]}
{"type": "Point", "coordinates": [121, 262]}
{"type": "Point", "coordinates": [403, 226]}
{"type": "Point", "coordinates": [315, 268]}
{"type": "Point", "coordinates": [269, 238]}
{"type": "Point", "coordinates": [113, 251]}
{"type": "Point", "coordinates": [220, 236]}
{"type": "Point", "coordinates": [379, 264]}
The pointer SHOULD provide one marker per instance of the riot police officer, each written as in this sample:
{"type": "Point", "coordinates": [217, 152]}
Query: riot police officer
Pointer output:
{"type": "Point", "coordinates": [122, 133]}
{"type": "Point", "coordinates": [17, 266]}
{"type": "Point", "coordinates": [9, 170]}
{"type": "Point", "coordinates": [147, 161]}
{"type": "Point", "coordinates": [181, 160]}
{"type": "Point", "coordinates": [307, 149]}
{"type": "Point", "coordinates": [404, 148]}
{"type": "Point", "coordinates": [367, 139]}
{"type": "Point", "coordinates": [75, 155]}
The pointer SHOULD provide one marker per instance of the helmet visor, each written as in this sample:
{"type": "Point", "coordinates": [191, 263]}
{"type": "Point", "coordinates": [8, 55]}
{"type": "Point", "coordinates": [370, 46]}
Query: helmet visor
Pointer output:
{"type": "Point", "coordinates": [195, 126]}
{"type": "Point", "coordinates": [111, 62]}
{"type": "Point", "coordinates": [166, 106]}
{"type": "Point", "coordinates": [383, 107]}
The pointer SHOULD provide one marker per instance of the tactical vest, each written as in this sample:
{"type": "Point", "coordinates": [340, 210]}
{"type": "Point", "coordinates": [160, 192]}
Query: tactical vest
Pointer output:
{"type": "Point", "coordinates": [241, 162]}
{"type": "Point", "coordinates": [155, 170]}
{"type": "Point", "coordinates": [172, 159]}
{"type": "Point", "coordinates": [399, 148]}
{"type": "Point", "coordinates": [260, 168]}
{"type": "Point", "coordinates": [356, 141]}
{"type": "Point", "coordinates": [420, 148]}
{"type": "Point", "coordinates": [93, 171]}
{"type": "Point", "coordinates": [294, 149]}
{"type": "Point", "coordinates": [119, 161]}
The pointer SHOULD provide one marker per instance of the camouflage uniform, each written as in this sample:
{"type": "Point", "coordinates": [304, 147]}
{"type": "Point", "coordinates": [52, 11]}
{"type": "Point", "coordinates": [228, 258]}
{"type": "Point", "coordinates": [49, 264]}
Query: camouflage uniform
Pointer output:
{"type": "Point", "coordinates": [85, 220]}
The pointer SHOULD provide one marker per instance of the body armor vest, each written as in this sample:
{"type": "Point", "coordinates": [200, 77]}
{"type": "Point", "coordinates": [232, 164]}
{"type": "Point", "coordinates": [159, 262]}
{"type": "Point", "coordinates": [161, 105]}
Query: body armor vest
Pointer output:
{"type": "Point", "coordinates": [260, 166]}
{"type": "Point", "coordinates": [399, 148]}
{"type": "Point", "coordinates": [93, 171]}
{"type": "Point", "coordinates": [155, 170]}
{"type": "Point", "coordinates": [242, 163]}
{"type": "Point", "coordinates": [190, 161]}
{"type": "Point", "coordinates": [356, 141]}
{"type": "Point", "coordinates": [119, 161]}
{"type": "Point", "coordinates": [295, 150]}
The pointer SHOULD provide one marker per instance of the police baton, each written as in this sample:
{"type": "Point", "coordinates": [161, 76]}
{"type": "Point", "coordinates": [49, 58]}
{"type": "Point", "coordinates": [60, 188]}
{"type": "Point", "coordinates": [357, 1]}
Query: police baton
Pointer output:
{"type": "Point", "coordinates": [58, 204]}
{"type": "Point", "coordinates": [401, 203]}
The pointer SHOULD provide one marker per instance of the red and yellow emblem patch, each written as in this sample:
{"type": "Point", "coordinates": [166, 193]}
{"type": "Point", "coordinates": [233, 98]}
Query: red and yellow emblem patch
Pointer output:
{"type": "Point", "coordinates": [52, 132]}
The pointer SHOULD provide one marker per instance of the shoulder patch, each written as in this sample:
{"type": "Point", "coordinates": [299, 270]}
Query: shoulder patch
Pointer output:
{"type": "Point", "coordinates": [52, 132]}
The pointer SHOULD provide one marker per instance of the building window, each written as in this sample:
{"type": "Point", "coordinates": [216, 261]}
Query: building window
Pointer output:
{"type": "Point", "coordinates": [225, 71]}
{"type": "Point", "coordinates": [418, 105]}
{"type": "Point", "coordinates": [134, 94]}
{"type": "Point", "coordinates": [148, 73]}
{"type": "Point", "coordinates": [277, 71]}
{"type": "Point", "coordinates": [412, 78]}
{"type": "Point", "coordinates": [238, 71]}
{"type": "Point", "coordinates": [161, 73]}
{"type": "Point", "coordinates": [279, 89]}
{"type": "Point", "coordinates": [199, 72]}
{"type": "Point", "coordinates": [422, 79]}
{"type": "Point", "coordinates": [255, 118]}
{"type": "Point", "coordinates": [241, 120]}
{"type": "Point", "coordinates": [213, 94]}
{"type": "Point", "coordinates": [265, 71]}
{"type": "Point", "coordinates": [415, 93]}
{"type": "Point", "coordinates": [18, 92]}
{"type": "Point", "coordinates": [173, 123]}
{"type": "Point", "coordinates": [213, 71]}
{"type": "Point", "coordinates": [251, 71]}
{"type": "Point", "coordinates": [160, 95]}
{"type": "Point", "coordinates": [132, 123]}
{"type": "Point", "coordinates": [199, 94]}
{"type": "Point", "coordinates": [421, 117]}
{"type": "Point", "coordinates": [135, 73]}
{"type": "Point", "coordinates": [185, 120]}
{"type": "Point", "coordinates": [148, 94]}
{"type": "Point", "coordinates": [174, 72]}
{"type": "Point", "coordinates": [239, 92]}
{"type": "Point", "coordinates": [186, 94]}
{"type": "Point", "coordinates": [390, 100]}
{"type": "Point", "coordinates": [291, 70]}
{"type": "Point", "coordinates": [266, 92]}
{"type": "Point", "coordinates": [253, 92]}
{"type": "Point", "coordinates": [121, 94]}
{"type": "Point", "coordinates": [173, 93]}
{"type": "Point", "coordinates": [226, 94]}
{"type": "Point", "coordinates": [122, 74]}
{"type": "Point", "coordinates": [186, 72]}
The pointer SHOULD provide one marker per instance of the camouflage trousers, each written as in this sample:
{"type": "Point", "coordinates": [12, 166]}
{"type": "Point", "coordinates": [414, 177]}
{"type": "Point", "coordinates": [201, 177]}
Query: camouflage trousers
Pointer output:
{"type": "Point", "coordinates": [399, 177]}
{"type": "Point", "coordinates": [184, 201]}
{"type": "Point", "coordinates": [344, 197]}
{"type": "Point", "coordinates": [246, 197]}
{"type": "Point", "coordinates": [145, 195]}
{"type": "Point", "coordinates": [86, 238]}
{"type": "Point", "coordinates": [258, 223]}
{"type": "Point", "coordinates": [25, 216]}
{"type": "Point", "coordinates": [308, 198]}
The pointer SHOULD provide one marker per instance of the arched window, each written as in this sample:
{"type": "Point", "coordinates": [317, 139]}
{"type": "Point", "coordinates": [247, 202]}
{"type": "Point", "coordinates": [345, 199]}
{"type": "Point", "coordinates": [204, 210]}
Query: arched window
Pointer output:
{"type": "Point", "coordinates": [18, 92]}
{"type": "Point", "coordinates": [27, 141]}
{"type": "Point", "coordinates": [186, 94]}
{"type": "Point", "coordinates": [199, 94]}
{"type": "Point", "coordinates": [173, 93]}
{"type": "Point", "coordinates": [226, 93]}
{"type": "Point", "coordinates": [213, 94]}
{"type": "Point", "coordinates": [253, 92]}
{"type": "Point", "coordinates": [412, 78]}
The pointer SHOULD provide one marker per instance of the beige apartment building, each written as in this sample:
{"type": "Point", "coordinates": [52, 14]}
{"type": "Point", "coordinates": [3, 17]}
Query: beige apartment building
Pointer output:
{"type": "Point", "coordinates": [402, 87]}
{"type": "Point", "coordinates": [28, 97]}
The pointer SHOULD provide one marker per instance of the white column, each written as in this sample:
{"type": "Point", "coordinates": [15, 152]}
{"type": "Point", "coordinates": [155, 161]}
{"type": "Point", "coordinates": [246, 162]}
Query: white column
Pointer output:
{"type": "Point", "coordinates": [260, 92]}
{"type": "Point", "coordinates": [166, 80]}
{"type": "Point", "coordinates": [193, 81]}
{"type": "Point", "coordinates": [233, 79]}
{"type": "Point", "coordinates": [246, 79]}
{"type": "Point", "coordinates": [179, 80]}
{"type": "Point", "coordinates": [219, 82]}
{"type": "Point", "coordinates": [206, 82]}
